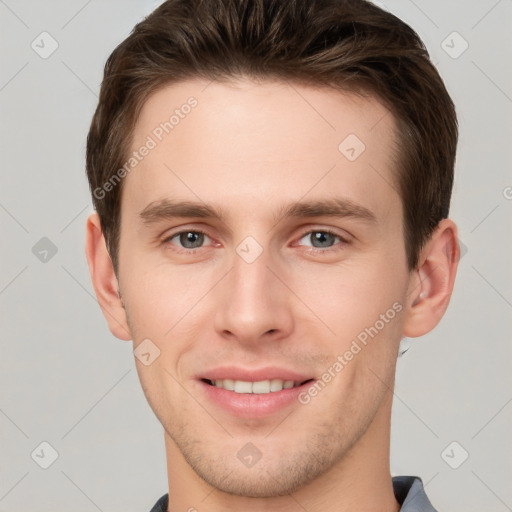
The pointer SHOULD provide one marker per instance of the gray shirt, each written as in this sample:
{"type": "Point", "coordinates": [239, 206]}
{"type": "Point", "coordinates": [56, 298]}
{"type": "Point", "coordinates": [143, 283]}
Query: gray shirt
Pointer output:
{"type": "Point", "coordinates": [408, 490]}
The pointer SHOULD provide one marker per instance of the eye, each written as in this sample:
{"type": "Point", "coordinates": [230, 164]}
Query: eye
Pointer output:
{"type": "Point", "coordinates": [320, 239]}
{"type": "Point", "coordinates": [188, 239]}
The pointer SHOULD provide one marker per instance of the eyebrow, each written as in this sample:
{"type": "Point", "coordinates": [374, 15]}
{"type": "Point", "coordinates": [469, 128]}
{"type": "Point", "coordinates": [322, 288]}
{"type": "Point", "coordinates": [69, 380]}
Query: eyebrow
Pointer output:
{"type": "Point", "coordinates": [167, 209]}
{"type": "Point", "coordinates": [335, 207]}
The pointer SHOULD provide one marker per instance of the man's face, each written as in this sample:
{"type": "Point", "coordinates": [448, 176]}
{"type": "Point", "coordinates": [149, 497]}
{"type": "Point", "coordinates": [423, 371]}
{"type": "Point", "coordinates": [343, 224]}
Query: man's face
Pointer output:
{"type": "Point", "coordinates": [307, 253]}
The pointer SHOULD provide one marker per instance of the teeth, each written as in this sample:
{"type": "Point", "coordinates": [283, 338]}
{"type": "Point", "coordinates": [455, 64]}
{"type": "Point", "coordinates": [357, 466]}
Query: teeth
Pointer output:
{"type": "Point", "coordinates": [276, 385]}
{"type": "Point", "coordinates": [228, 384]}
{"type": "Point", "coordinates": [242, 387]}
{"type": "Point", "coordinates": [260, 387]}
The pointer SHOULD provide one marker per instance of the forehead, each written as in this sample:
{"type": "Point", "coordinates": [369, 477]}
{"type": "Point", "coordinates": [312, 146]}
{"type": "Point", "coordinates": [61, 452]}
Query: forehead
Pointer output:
{"type": "Point", "coordinates": [270, 141]}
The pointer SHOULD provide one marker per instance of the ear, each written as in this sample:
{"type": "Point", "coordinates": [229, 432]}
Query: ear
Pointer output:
{"type": "Point", "coordinates": [431, 284]}
{"type": "Point", "coordinates": [104, 279]}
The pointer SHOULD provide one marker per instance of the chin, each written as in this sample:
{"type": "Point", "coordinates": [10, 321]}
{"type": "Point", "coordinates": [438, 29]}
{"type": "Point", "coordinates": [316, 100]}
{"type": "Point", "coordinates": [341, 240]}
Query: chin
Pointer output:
{"type": "Point", "coordinates": [260, 484]}
{"type": "Point", "coordinates": [276, 476]}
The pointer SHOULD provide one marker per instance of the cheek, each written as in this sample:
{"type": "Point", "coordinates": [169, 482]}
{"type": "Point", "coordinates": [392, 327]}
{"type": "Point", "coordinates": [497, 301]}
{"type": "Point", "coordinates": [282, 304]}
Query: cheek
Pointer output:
{"type": "Point", "coordinates": [350, 297]}
{"type": "Point", "coordinates": [362, 306]}
{"type": "Point", "coordinates": [160, 299]}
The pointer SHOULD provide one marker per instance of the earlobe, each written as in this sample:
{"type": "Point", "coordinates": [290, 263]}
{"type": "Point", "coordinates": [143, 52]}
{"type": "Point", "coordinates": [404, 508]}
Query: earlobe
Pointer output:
{"type": "Point", "coordinates": [431, 284]}
{"type": "Point", "coordinates": [104, 279]}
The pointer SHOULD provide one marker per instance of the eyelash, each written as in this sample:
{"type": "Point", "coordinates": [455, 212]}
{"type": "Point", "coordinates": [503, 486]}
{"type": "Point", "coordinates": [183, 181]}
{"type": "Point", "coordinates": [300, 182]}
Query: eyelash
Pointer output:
{"type": "Point", "coordinates": [167, 240]}
{"type": "Point", "coordinates": [310, 249]}
{"type": "Point", "coordinates": [318, 250]}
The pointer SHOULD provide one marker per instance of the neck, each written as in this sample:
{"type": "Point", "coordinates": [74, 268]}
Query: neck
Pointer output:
{"type": "Point", "coordinates": [361, 480]}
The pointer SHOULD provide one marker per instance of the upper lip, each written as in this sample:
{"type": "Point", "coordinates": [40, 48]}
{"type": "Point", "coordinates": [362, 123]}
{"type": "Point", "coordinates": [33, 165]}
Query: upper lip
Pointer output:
{"type": "Point", "coordinates": [253, 374]}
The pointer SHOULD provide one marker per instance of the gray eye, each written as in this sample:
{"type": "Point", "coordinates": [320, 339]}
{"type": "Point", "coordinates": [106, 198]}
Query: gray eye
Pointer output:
{"type": "Point", "coordinates": [322, 239]}
{"type": "Point", "coordinates": [191, 239]}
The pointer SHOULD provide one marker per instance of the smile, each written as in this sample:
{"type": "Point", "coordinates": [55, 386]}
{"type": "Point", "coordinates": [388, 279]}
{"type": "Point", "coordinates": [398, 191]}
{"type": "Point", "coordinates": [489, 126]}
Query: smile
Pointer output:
{"type": "Point", "coordinates": [259, 387]}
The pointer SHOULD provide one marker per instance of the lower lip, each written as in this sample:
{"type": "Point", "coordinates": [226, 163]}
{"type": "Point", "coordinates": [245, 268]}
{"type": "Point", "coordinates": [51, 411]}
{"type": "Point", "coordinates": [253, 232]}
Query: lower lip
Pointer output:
{"type": "Point", "coordinates": [253, 405]}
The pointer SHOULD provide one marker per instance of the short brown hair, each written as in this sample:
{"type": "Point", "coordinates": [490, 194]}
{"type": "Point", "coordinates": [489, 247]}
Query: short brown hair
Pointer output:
{"type": "Point", "coordinates": [351, 45]}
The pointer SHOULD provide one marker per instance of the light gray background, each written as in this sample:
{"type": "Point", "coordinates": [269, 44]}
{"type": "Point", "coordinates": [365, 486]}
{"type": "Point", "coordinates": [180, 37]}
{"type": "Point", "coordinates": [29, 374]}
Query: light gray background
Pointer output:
{"type": "Point", "coordinates": [67, 381]}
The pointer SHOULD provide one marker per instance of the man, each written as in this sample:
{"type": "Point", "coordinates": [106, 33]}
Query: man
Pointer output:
{"type": "Point", "coordinates": [272, 183]}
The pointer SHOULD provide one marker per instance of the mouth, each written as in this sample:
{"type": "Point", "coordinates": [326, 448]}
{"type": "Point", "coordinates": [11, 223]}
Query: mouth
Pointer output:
{"type": "Point", "coordinates": [255, 393]}
{"type": "Point", "coordinates": [260, 387]}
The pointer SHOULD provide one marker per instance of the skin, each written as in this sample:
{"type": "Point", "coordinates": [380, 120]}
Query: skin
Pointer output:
{"type": "Point", "coordinates": [249, 149]}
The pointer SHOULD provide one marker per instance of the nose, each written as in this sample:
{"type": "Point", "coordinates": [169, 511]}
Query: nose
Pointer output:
{"type": "Point", "coordinates": [253, 304]}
